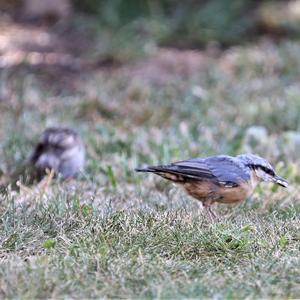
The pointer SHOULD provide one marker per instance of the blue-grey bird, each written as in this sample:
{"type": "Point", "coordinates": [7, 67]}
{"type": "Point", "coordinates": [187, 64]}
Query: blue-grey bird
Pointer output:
{"type": "Point", "coordinates": [220, 178]}
{"type": "Point", "coordinates": [60, 149]}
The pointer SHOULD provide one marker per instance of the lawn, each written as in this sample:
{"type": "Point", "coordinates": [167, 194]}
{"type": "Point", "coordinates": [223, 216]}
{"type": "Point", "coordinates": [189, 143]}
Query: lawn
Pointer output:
{"type": "Point", "coordinates": [114, 233]}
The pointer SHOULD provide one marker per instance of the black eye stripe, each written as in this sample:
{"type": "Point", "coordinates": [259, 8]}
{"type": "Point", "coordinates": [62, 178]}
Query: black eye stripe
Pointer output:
{"type": "Point", "coordinates": [267, 170]}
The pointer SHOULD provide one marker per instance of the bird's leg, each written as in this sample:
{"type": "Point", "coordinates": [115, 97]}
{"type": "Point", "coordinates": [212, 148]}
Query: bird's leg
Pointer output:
{"type": "Point", "coordinates": [212, 216]}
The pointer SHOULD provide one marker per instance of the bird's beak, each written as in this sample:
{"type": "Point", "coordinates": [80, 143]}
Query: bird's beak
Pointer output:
{"type": "Point", "coordinates": [281, 181]}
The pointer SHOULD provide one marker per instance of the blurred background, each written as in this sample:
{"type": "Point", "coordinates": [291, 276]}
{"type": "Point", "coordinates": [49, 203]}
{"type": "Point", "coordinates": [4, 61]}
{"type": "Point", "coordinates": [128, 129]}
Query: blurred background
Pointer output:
{"type": "Point", "coordinates": [148, 82]}
{"type": "Point", "coordinates": [151, 81]}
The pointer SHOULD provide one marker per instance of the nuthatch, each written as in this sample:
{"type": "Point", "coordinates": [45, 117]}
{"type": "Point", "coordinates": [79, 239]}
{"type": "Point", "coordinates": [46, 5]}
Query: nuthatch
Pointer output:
{"type": "Point", "coordinates": [220, 178]}
{"type": "Point", "coordinates": [60, 149]}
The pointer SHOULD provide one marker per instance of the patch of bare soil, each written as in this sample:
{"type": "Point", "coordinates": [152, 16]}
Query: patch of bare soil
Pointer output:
{"type": "Point", "coordinates": [54, 55]}
{"type": "Point", "coordinates": [167, 65]}
{"type": "Point", "coordinates": [59, 57]}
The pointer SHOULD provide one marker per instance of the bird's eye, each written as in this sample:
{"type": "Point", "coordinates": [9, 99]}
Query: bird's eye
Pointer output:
{"type": "Point", "coordinates": [268, 171]}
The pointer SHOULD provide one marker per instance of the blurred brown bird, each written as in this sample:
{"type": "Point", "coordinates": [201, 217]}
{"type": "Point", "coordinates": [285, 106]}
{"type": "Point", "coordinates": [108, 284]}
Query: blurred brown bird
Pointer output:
{"type": "Point", "coordinates": [222, 178]}
{"type": "Point", "coordinates": [61, 150]}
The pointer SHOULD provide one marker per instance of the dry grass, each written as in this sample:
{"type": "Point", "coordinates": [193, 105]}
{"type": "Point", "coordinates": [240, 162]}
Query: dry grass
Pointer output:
{"type": "Point", "coordinates": [114, 233]}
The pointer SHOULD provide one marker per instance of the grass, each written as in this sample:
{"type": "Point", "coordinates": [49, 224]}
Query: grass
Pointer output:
{"type": "Point", "coordinates": [114, 233]}
{"type": "Point", "coordinates": [72, 249]}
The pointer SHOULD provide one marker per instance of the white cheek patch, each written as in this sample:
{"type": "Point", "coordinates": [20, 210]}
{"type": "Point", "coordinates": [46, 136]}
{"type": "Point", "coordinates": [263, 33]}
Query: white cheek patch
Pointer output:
{"type": "Point", "coordinates": [263, 175]}
{"type": "Point", "coordinates": [259, 173]}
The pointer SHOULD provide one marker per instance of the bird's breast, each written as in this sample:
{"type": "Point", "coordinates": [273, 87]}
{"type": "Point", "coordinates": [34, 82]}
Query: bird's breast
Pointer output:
{"type": "Point", "coordinates": [208, 190]}
{"type": "Point", "coordinates": [200, 190]}
{"type": "Point", "coordinates": [235, 194]}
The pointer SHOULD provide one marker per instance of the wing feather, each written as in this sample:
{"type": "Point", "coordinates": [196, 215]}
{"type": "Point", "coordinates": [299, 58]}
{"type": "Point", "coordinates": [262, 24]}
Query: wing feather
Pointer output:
{"type": "Point", "coordinates": [225, 170]}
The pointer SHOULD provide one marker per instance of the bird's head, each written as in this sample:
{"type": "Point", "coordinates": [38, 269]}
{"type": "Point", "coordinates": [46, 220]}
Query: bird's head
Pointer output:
{"type": "Point", "coordinates": [60, 149]}
{"type": "Point", "coordinates": [263, 169]}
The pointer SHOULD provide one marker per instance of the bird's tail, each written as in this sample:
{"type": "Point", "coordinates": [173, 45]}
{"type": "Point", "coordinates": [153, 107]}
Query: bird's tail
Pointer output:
{"type": "Point", "coordinates": [163, 171]}
{"type": "Point", "coordinates": [146, 169]}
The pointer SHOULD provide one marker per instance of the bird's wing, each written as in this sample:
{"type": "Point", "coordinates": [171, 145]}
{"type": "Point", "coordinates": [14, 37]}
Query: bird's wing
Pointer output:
{"type": "Point", "coordinates": [228, 170]}
{"type": "Point", "coordinates": [192, 168]}
{"type": "Point", "coordinates": [222, 169]}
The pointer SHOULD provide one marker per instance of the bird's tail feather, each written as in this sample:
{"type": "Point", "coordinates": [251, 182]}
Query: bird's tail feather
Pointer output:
{"type": "Point", "coordinates": [146, 169]}
{"type": "Point", "coordinates": [163, 171]}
